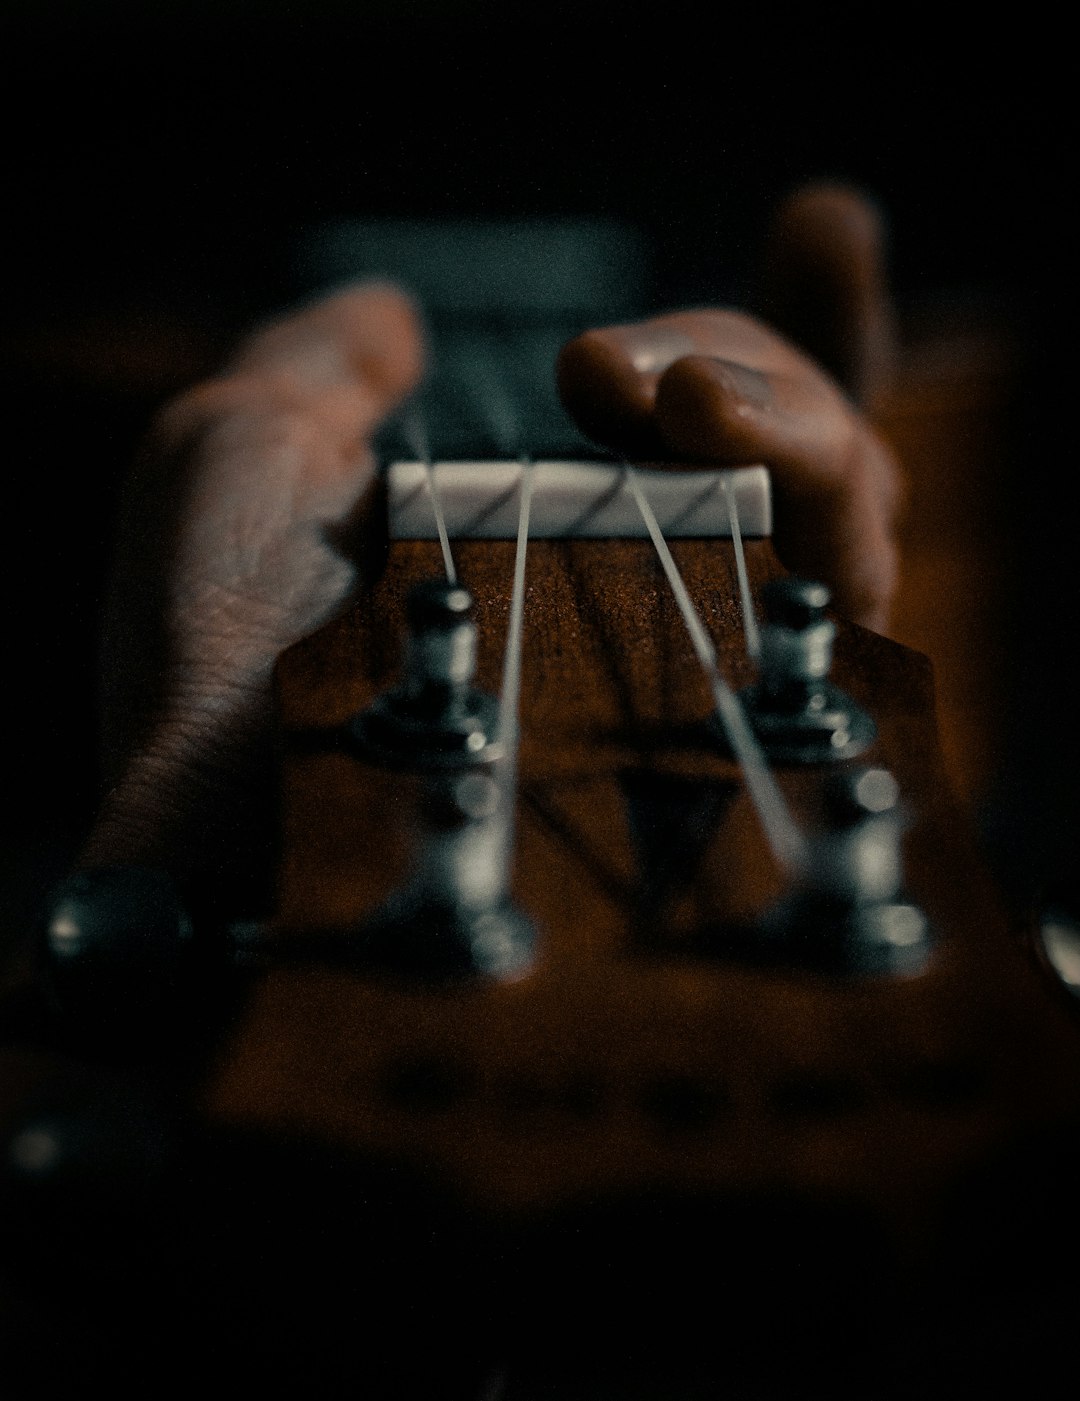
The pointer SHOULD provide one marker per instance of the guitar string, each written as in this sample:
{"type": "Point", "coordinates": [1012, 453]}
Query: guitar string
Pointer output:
{"type": "Point", "coordinates": [440, 524]}
{"type": "Point", "coordinates": [787, 842]}
{"type": "Point", "coordinates": [493, 395]}
{"type": "Point", "coordinates": [510, 689]}
{"type": "Point", "coordinates": [750, 627]}
{"type": "Point", "coordinates": [417, 438]}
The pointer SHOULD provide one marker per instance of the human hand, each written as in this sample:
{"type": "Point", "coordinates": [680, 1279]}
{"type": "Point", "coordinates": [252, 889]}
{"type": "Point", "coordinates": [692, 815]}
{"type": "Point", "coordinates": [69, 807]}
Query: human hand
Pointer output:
{"type": "Point", "coordinates": [233, 542]}
{"type": "Point", "coordinates": [232, 546]}
{"type": "Point", "coordinates": [719, 386]}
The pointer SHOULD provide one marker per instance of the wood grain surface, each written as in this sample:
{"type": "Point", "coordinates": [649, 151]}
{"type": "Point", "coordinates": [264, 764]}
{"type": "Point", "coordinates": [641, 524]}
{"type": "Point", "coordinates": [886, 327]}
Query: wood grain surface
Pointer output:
{"type": "Point", "coordinates": [626, 1061]}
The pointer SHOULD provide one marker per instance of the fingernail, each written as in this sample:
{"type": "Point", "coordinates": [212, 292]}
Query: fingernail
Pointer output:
{"type": "Point", "coordinates": [744, 383]}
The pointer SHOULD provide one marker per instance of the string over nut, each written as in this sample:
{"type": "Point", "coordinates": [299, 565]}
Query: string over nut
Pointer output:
{"type": "Point", "coordinates": [434, 718]}
{"type": "Point", "coordinates": [798, 715]}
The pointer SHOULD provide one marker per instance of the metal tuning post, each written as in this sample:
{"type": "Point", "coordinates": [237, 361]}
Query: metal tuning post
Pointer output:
{"type": "Point", "coordinates": [454, 918]}
{"type": "Point", "coordinates": [848, 913]}
{"type": "Point", "coordinates": [798, 715]}
{"type": "Point", "coordinates": [434, 719]}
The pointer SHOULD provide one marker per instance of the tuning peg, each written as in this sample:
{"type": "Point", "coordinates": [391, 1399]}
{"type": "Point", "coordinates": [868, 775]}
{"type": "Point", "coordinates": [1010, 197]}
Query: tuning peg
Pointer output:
{"type": "Point", "coordinates": [799, 604]}
{"type": "Point", "coordinates": [115, 945]}
{"type": "Point", "coordinates": [434, 718]}
{"type": "Point", "coordinates": [99, 1135]}
{"type": "Point", "coordinates": [799, 716]}
{"type": "Point", "coordinates": [850, 913]}
{"type": "Point", "coordinates": [453, 918]}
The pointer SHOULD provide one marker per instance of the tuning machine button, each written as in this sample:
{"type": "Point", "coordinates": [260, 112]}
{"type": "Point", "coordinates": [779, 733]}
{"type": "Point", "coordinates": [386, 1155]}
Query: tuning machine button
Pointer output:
{"type": "Point", "coordinates": [798, 715]}
{"type": "Point", "coordinates": [434, 718]}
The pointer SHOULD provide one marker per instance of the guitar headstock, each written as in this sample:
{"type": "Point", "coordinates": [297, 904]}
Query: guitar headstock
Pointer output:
{"type": "Point", "coordinates": [679, 1000]}
{"type": "Point", "coordinates": [586, 1024]}
{"type": "Point", "coordinates": [666, 1009]}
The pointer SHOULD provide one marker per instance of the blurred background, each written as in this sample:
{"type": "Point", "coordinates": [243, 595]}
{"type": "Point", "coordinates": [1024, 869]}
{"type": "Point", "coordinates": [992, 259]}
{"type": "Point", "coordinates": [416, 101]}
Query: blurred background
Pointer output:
{"type": "Point", "coordinates": [166, 166]}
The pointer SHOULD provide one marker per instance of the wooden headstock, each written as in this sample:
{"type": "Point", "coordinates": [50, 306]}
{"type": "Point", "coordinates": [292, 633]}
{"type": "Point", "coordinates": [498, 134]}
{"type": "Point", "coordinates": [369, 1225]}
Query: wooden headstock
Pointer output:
{"type": "Point", "coordinates": [685, 1141]}
{"type": "Point", "coordinates": [645, 1051]}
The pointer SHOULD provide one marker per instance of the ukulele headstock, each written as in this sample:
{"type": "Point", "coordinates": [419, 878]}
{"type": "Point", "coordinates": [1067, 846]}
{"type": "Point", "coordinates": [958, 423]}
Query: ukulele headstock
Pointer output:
{"type": "Point", "coordinates": [629, 1051]}
{"type": "Point", "coordinates": [691, 1006]}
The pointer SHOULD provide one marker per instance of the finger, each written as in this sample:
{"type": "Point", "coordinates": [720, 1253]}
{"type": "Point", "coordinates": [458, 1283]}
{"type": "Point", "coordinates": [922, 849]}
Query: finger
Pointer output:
{"type": "Point", "coordinates": [237, 509]}
{"type": "Point", "coordinates": [835, 484]}
{"type": "Point", "coordinates": [719, 386]}
{"type": "Point", "coordinates": [230, 552]}
{"type": "Point", "coordinates": [346, 361]}
{"type": "Point", "coordinates": [368, 333]}
{"type": "Point", "coordinates": [608, 378]}
{"type": "Point", "coordinates": [826, 285]}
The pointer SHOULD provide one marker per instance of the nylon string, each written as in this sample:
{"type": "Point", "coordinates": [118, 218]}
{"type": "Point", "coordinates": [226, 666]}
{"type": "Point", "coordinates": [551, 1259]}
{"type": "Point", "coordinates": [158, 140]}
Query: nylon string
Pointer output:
{"type": "Point", "coordinates": [750, 627]}
{"type": "Point", "coordinates": [417, 438]}
{"type": "Point", "coordinates": [787, 842]}
{"type": "Point", "coordinates": [510, 690]}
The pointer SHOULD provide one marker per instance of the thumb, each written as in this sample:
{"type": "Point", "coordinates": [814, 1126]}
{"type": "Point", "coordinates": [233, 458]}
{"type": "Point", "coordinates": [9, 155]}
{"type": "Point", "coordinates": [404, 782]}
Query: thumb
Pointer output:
{"type": "Point", "coordinates": [363, 342]}
{"type": "Point", "coordinates": [825, 285]}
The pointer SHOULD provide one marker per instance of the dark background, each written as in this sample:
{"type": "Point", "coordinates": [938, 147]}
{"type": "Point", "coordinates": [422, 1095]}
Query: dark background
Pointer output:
{"type": "Point", "coordinates": [161, 161]}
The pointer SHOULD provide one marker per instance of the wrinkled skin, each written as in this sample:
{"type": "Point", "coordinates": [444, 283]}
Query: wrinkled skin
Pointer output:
{"type": "Point", "coordinates": [235, 542]}
{"type": "Point", "coordinates": [237, 539]}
